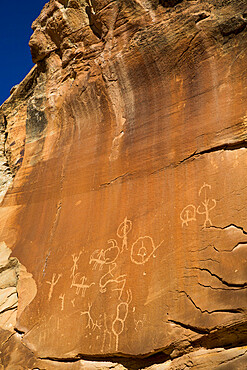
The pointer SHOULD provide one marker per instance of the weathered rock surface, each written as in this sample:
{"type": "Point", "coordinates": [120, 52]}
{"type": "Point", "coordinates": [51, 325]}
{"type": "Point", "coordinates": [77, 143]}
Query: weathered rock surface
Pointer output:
{"type": "Point", "coordinates": [123, 173]}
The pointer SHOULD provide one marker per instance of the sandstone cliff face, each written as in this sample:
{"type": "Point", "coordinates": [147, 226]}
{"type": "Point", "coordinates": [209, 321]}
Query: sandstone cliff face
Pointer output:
{"type": "Point", "coordinates": [123, 170]}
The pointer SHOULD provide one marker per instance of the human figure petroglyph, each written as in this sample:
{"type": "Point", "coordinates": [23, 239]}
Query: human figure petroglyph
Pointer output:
{"type": "Point", "coordinates": [91, 324]}
{"type": "Point", "coordinates": [142, 249]}
{"type": "Point", "coordinates": [123, 229]}
{"type": "Point", "coordinates": [102, 257]}
{"type": "Point", "coordinates": [207, 205]}
{"type": "Point", "coordinates": [121, 316]}
{"type": "Point", "coordinates": [188, 214]}
{"type": "Point", "coordinates": [80, 286]}
{"type": "Point", "coordinates": [109, 278]}
{"type": "Point", "coordinates": [75, 264]}
{"type": "Point", "coordinates": [62, 297]}
{"type": "Point", "coordinates": [107, 334]}
{"type": "Point", "coordinates": [73, 302]}
{"type": "Point", "coordinates": [52, 283]}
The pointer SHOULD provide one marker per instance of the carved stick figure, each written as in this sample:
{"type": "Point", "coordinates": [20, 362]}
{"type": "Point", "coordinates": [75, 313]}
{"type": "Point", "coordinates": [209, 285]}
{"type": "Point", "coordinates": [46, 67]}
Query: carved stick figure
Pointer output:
{"type": "Point", "coordinates": [52, 283]}
{"type": "Point", "coordinates": [80, 286]}
{"type": "Point", "coordinates": [123, 229]}
{"type": "Point", "coordinates": [107, 335]}
{"type": "Point", "coordinates": [75, 266]}
{"type": "Point", "coordinates": [122, 313]}
{"type": "Point", "coordinates": [208, 204]}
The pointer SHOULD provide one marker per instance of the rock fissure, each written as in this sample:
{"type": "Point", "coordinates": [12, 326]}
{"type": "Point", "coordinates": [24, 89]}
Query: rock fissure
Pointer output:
{"type": "Point", "coordinates": [187, 49]}
{"type": "Point", "coordinates": [224, 310]}
{"type": "Point", "coordinates": [116, 179]}
{"type": "Point", "coordinates": [190, 327]}
{"type": "Point", "coordinates": [227, 227]}
{"type": "Point", "coordinates": [227, 147]}
{"type": "Point", "coordinates": [223, 281]}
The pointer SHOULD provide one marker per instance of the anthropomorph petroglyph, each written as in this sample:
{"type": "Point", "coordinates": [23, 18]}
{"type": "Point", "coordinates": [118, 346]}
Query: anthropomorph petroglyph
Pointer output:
{"type": "Point", "coordinates": [91, 324]}
{"type": "Point", "coordinates": [75, 265]}
{"type": "Point", "coordinates": [79, 282]}
{"type": "Point", "coordinates": [107, 336]}
{"type": "Point", "coordinates": [188, 214]}
{"type": "Point", "coordinates": [142, 249]}
{"type": "Point", "coordinates": [102, 257]}
{"type": "Point", "coordinates": [121, 316]}
{"type": "Point", "coordinates": [207, 204]}
{"type": "Point", "coordinates": [52, 283]}
{"type": "Point", "coordinates": [123, 229]}
{"type": "Point", "coordinates": [109, 278]}
{"type": "Point", "coordinates": [62, 297]}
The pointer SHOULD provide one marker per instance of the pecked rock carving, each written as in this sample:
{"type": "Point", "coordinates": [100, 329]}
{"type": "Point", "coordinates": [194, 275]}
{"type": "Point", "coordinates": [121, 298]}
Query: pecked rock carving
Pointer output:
{"type": "Point", "coordinates": [123, 172]}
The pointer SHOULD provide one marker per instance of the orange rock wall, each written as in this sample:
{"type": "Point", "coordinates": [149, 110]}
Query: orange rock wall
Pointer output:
{"type": "Point", "coordinates": [127, 148]}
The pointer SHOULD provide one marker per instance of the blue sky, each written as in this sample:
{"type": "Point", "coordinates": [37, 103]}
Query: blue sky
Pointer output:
{"type": "Point", "coordinates": [16, 62]}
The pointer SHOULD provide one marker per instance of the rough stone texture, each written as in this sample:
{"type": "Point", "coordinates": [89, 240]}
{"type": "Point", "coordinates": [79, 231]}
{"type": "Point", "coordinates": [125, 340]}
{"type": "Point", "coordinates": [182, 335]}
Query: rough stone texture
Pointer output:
{"type": "Point", "coordinates": [124, 155]}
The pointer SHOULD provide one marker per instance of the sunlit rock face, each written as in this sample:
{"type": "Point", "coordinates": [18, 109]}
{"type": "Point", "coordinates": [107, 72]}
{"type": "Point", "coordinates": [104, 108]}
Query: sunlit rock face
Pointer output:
{"type": "Point", "coordinates": [123, 171]}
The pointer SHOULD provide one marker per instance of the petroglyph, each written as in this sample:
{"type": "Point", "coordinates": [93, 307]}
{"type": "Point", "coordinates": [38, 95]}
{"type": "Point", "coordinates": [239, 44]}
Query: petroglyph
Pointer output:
{"type": "Point", "coordinates": [123, 229]}
{"type": "Point", "coordinates": [188, 214]}
{"type": "Point", "coordinates": [111, 253]}
{"type": "Point", "coordinates": [91, 324]}
{"type": "Point", "coordinates": [207, 205]}
{"type": "Point", "coordinates": [121, 316]}
{"type": "Point", "coordinates": [142, 249]}
{"type": "Point", "coordinates": [107, 336]}
{"type": "Point", "coordinates": [52, 283]}
{"type": "Point", "coordinates": [97, 258]}
{"type": "Point", "coordinates": [80, 286]}
{"type": "Point", "coordinates": [138, 325]}
{"type": "Point", "coordinates": [108, 278]}
{"type": "Point", "coordinates": [102, 257]}
{"type": "Point", "coordinates": [62, 297]}
{"type": "Point", "coordinates": [73, 302]}
{"type": "Point", "coordinates": [75, 265]}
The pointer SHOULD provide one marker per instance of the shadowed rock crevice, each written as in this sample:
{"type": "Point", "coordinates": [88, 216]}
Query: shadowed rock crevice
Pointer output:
{"type": "Point", "coordinates": [169, 3]}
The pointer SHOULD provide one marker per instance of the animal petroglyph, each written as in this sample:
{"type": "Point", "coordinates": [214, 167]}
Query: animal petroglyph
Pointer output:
{"type": "Point", "coordinates": [142, 249]}
{"type": "Point", "coordinates": [102, 257]}
{"type": "Point", "coordinates": [109, 278]}
{"type": "Point", "coordinates": [75, 264]}
{"type": "Point", "coordinates": [207, 205]}
{"type": "Point", "coordinates": [123, 229]}
{"type": "Point", "coordinates": [91, 324]}
{"type": "Point", "coordinates": [97, 258]}
{"type": "Point", "coordinates": [52, 283]}
{"type": "Point", "coordinates": [80, 285]}
{"type": "Point", "coordinates": [62, 297]}
{"type": "Point", "coordinates": [121, 316]}
{"type": "Point", "coordinates": [188, 214]}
